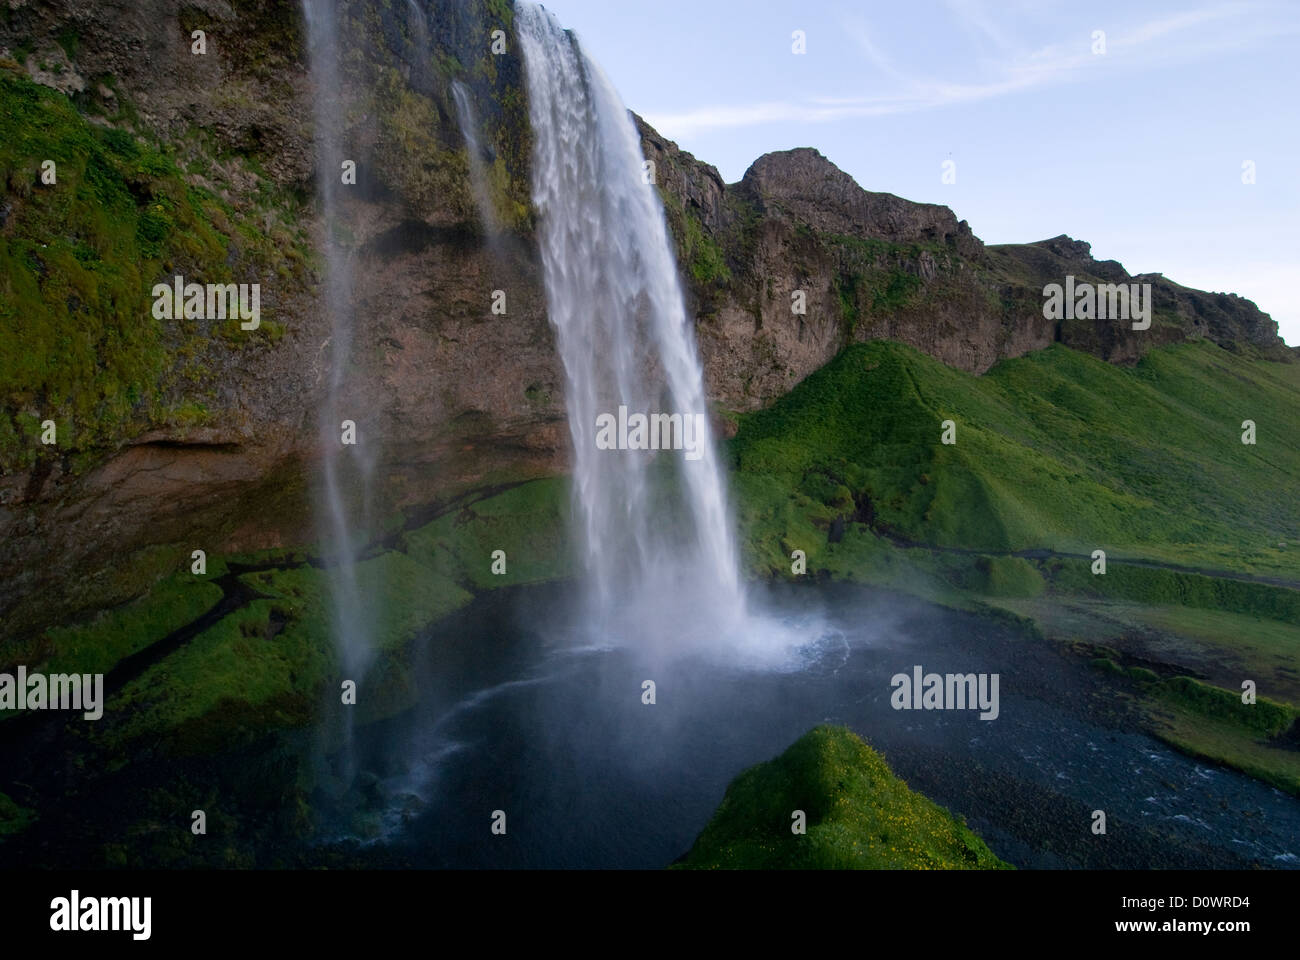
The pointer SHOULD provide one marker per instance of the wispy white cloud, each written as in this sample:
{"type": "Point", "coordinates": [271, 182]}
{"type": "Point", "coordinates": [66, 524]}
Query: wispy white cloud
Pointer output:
{"type": "Point", "coordinates": [861, 35]}
{"type": "Point", "coordinates": [1209, 31]}
{"type": "Point", "coordinates": [976, 19]}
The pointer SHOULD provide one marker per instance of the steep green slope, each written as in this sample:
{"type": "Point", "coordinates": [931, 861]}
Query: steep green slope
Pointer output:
{"type": "Point", "coordinates": [1054, 450]}
{"type": "Point", "coordinates": [859, 816]}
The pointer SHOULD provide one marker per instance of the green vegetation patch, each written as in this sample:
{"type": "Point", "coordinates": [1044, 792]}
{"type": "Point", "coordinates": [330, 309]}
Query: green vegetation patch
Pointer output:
{"type": "Point", "coordinates": [859, 816]}
{"type": "Point", "coordinates": [699, 253]}
{"type": "Point", "coordinates": [95, 646]}
{"type": "Point", "coordinates": [1007, 577]}
{"type": "Point", "coordinates": [415, 160]}
{"type": "Point", "coordinates": [881, 276]}
{"type": "Point", "coordinates": [259, 668]}
{"type": "Point", "coordinates": [268, 664]}
{"type": "Point", "coordinates": [1153, 586]}
{"type": "Point", "coordinates": [1056, 450]}
{"type": "Point", "coordinates": [78, 261]}
{"type": "Point", "coordinates": [272, 663]}
{"type": "Point", "coordinates": [1264, 718]}
{"type": "Point", "coordinates": [527, 522]}
{"type": "Point", "coordinates": [704, 257]}
{"type": "Point", "coordinates": [1212, 723]}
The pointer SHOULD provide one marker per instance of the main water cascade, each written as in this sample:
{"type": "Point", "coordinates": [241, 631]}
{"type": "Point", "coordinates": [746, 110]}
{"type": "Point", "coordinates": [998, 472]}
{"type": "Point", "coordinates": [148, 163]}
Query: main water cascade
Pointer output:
{"type": "Point", "coordinates": [660, 565]}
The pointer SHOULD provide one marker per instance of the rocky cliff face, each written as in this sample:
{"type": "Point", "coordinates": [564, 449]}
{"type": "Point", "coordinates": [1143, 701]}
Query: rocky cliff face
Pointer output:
{"type": "Point", "coordinates": [202, 436]}
{"type": "Point", "coordinates": [218, 447]}
{"type": "Point", "coordinates": [873, 266]}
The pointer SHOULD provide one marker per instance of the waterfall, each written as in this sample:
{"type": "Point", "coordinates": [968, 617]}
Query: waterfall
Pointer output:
{"type": "Point", "coordinates": [419, 31]}
{"type": "Point", "coordinates": [657, 548]}
{"type": "Point", "coordinates": [346, 470]}
{"type": "Point", "coordinates": [468, 121]}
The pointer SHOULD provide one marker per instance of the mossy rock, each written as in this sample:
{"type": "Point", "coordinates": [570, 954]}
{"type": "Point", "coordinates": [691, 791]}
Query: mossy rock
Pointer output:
{"type": "Point", "coordinates": [1107, 665]}
{"type": "Point", "coordinates": [859, 815]}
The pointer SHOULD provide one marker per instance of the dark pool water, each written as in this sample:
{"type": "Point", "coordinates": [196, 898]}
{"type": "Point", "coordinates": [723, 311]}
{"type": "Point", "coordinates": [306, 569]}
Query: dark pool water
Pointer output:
{"type": "Point", "coordinates": [523, 715]}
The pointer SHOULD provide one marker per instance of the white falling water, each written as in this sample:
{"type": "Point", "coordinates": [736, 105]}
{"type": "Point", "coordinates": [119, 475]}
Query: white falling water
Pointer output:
{"type": "Point", "coordinates": [468, 121]}
{"type": "Point", "coordinates": [657, 545]}
{"type": "Point", "coordinates": [419, 29]}
{"type": "Point", "coordinates": [342, 535]}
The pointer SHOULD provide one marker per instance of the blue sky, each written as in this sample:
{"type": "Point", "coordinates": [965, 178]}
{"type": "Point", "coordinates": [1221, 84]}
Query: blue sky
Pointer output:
{"type": "Point", "coordinates": [1138, 151]}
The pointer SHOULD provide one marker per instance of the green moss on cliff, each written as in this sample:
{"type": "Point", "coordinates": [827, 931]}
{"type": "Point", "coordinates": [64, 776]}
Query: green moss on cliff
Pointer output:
{"type": "Point", "coordinates": [75, 260]}
{"type": "Point", "coordinates": [704, 257]}
{"type": "Point", "coordinates": [875, 276]}
{"type": "Point", "coordinates": [420, 151]}
{"type": "Point", "coordinates": [502, 10]}
{"type": "Point", "coordinates": [78, 260]}
{"type": "Point", "coordinates": [412, 157]}
{"type": "Point", "coordinates": [860, 816]}
{"type": "Point", "coordinates": [700, 254]}
{"type": "Point", "coordinates": [846, 285]}
{"type": "Point", "coordinates": [266, 36]}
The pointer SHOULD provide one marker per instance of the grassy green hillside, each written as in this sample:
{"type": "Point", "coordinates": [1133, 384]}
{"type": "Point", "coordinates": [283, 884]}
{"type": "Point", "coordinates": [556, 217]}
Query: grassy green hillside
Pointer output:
{"type": "Point", "coordinates": [1056, 450]}
{"type": "Point", "coordinates": [859, 816]}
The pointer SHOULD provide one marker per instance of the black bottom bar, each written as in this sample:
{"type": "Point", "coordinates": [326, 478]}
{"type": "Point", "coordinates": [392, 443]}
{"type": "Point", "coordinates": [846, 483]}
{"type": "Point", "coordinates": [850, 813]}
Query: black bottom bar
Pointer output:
{"type": "Point", "coordinates": [210, 909]}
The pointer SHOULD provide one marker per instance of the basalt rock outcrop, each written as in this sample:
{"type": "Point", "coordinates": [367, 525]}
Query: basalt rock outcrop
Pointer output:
{"type": "Point", "coordinates": [213, 440]}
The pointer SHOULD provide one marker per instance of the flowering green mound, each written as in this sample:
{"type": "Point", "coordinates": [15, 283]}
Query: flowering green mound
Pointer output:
{"type": "Point", "coordinates": [859, 816]}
